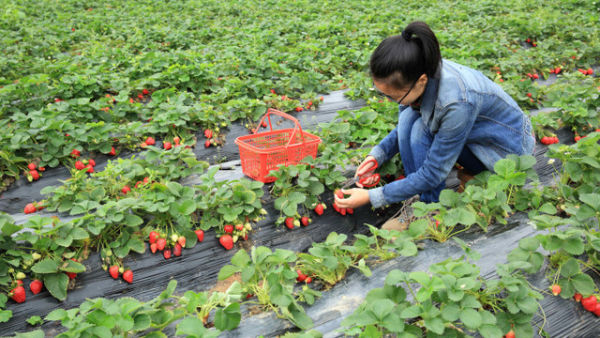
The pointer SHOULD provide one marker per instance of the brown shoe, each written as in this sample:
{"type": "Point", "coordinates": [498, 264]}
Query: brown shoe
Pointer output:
{"type": "Point", "coordinates": [403, 217]}
{"type": "Point", "coordinates": [464, 177]}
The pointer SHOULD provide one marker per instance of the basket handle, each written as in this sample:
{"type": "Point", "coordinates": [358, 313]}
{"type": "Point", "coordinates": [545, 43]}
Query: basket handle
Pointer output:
{"type": "Point", "coordinates": [284, 115]}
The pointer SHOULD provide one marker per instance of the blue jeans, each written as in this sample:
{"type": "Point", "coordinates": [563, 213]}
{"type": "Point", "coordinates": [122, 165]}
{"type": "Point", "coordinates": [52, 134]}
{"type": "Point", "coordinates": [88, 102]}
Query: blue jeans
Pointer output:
{"type": "Point", "coordinates": [414, 143]}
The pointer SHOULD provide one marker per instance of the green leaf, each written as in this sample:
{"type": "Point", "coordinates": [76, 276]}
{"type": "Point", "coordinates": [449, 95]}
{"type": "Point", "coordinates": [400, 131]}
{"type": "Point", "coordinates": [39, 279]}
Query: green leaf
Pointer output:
{"type": "Point", "coordinates": [58, 314]}
{"type": "Point", "coordinates": [583, 283]}
{"type": "Point", "coordinates": [141, 322]}
{"type": "Point", "coordinates": [133, 220]}
{"type": "Point", "coordinates": [192, 327]}
{"type": "Point", "coordinates": [46, 265]}
{"type": "Point", "coordinates": [56, 284]}
{"type": "Point", "coordinates": [450, 312]}
{"type": "Point", "coordinates": [573, 245]}
{"type": "Point", "coordinates": [471, 318]}
{"type": "Point", "coordinates": [529, 244]}
{"type": "Point", "coordinates": [5, 315]}
{"type": "Point", "coordinates": [593, 200]}
{"type": "Point", "coordinates": [227, 271]}
{"type": "Point", "coordinates": [72, 266]}
{"type": "Point", "coordinates": [228, 318]}
{"type": "Point", "coordinates": [100, 318]}
{"type": "Point", "coordinates": [418, 227]}
{"type": "Point", "coordinates": [31, 334]}
{"type": "Point", "coordinates": [435, 325]}
{"type": "Point", "coordinates": [187, 207]}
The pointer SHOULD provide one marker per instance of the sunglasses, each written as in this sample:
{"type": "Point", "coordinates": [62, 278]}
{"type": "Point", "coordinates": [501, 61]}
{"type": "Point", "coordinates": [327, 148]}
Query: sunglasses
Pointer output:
{"type": "Point", "coordinates": [391, 98]}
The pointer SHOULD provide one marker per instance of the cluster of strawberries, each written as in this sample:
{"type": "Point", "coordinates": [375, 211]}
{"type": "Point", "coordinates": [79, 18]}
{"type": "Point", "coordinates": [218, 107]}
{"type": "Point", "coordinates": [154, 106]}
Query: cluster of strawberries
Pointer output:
{"type": "Point", "coordinates": [34, 174]}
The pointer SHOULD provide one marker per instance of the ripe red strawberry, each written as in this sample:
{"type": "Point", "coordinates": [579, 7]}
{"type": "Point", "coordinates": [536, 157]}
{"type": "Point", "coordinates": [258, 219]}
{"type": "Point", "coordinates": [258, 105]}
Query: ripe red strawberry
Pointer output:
{"type": "Point", "coordinates": [321, 98]}
{"type": "Point", "coordinates": [206, 143]}
{"type": "Point", "coordinates": [42, 168]}
{"type": "Point", "coordinates": [90, 168]}
{"type": "Point", "coordinates": [299, 108]}
{"type": "Point", "coordinates": [589, 303]}
{"type": "Point", "coordinates": [310, 103]}
{"type": "Point", "coordinates": [18, 294]}
{"type": "Point", "coordinates": [167, 145]}
{"type": "Point", "coordinates": [125, 190]}
{"type": "Point", "coordinates": [31, 166]}
{"type": "Point", "coordinates": [112, 152]}
{"type": "Point", "coordinates": [343, 211]}
{"type": "Point", "coordinates": [75, 153]}
{"type": "Point", "coordinates": [557, 70]}
{"type": "Point", "coordinates": [305, 221]}
{"type": "Point", "coordinates": [114, 271]}
{"type": "Point", "coordinates": [245, 237]}
{"type": "Point", "coordinates": [239, 227]}
{"type": "Point", "coordinates": [529, 94]}
{"type": "Point", "coordinates": [590, 71]}
{"type": "Point", "coordinates": [79, 165]}
{"type": "Point", "coordinates": [226, 241]}
{"type": "Point", "coordinates": [167, 253]}
{"type": "Point", "coordinates": [577, 297]}
{"type": "Point", "coordinates": [140, 96]}
{"type": "Point", "coordinates": [308, 280]}
{"type": "Point", "coordinates": [92, 162]}
{"type": "Point", "coordinates": [208, 133]}
{"type": "Point", "coordinates": [555, 139]}
{"type": "Point", "coordinates": [71, 275]}
{"type": "Point", "coordinates": [153, 236]}
{"type": "Point", "coordinates": [29, 208]}
{"type": "Point", "coordinates": [199, 234]}
{"type": "Point", "coordinates": [176, 140]}
{"type": "Point", "coordinates": [150, 141]}
{"type": "Point", "coordinates": [161, 243]}
{"type": "Point", "coordinates": [597, 310]}
{"type": "Point", "coordinates": [289, 222]}
{"type": "Point", "coordinates": [535, 76]}
{"type": "Point", "coordinates": [36, 286]}
{"type": "Point", "coordinates": [181, 240]}
{"type": "Point", "coordinates": [437, 223]}
{"type": "Point", "coordinates": [177, 250]}
{"type": "Point", "coordinates": [145, 91]}
{"type": "Point", "coordinates": [301, 277]}
{"type": "Point", "coordinates": [57, 100]}
{"type": "Point", "coordinates": [335, 207]}
{"type": "Point", "coordinates": [319, 209]}
{"type": "Point", "coordinates": [582, 71]}
{"type": "Point", "coordinates": [510, 334]}
{"type": "Point", "coordinates": [339, 193]}
{"type": "Point", "coordinates": [248, 296]}
{"type": "Point", "coordinates": [577, 138]}
{"type": "Point", "coordinates": [34, 174]}
{"type": "Point", "coordinates": [264, 124]}
{"type": "Point", "coordinates": [556, 289]}
{"type": "Point", "coordinates": [350, 211]}
{"type": "Point", "coordinates": [128, 276]}
{"type": "Point", "coordinates": [146, 180]}
{"type": "Point", "coordinates": [228, 228]}
{"type": "Point", "coordinates": [153, 247]}
{"type": "Point", "coordinates": [273, 92]}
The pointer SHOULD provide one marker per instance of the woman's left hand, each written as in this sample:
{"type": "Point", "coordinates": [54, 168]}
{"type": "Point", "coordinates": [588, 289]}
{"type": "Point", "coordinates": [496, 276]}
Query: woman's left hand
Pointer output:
{"type": "Point", "coordinates": [357, 198]}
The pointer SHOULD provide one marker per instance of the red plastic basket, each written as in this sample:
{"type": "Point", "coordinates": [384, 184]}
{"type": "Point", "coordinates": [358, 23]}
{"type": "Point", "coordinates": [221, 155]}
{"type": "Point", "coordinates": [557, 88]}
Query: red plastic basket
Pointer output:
{"type": "Point", "coordinates": [260, 153]}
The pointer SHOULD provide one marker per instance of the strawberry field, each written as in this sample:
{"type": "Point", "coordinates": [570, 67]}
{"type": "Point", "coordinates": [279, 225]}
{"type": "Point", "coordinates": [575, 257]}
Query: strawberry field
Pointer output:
{"type": "Point", "coordinates": [124, 210]}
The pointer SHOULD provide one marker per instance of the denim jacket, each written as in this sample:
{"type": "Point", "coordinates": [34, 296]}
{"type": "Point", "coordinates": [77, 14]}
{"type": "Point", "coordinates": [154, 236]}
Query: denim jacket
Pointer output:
{"type": "Point", "coordinates": [460, 106]}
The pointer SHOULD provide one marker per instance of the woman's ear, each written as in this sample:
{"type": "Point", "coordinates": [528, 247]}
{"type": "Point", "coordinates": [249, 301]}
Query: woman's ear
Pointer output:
{"type": "Point", "coordinates": [422, 81]}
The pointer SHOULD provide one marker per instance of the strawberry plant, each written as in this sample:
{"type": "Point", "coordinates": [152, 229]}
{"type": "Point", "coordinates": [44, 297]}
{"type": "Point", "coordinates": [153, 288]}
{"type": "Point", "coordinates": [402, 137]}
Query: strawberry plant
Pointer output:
{"type": "Point", "coordinates": [296, 190]}
{"type": "Point", "coordinates": [236, 203]}
{"type": "Point", "coordinates": [188, 312]}
{"type": "Point", "coordinates": [269, 275]}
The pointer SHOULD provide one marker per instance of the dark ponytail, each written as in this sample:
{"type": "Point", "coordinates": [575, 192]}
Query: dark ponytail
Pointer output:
{"type": "Point", "coordinates": [400, 60]}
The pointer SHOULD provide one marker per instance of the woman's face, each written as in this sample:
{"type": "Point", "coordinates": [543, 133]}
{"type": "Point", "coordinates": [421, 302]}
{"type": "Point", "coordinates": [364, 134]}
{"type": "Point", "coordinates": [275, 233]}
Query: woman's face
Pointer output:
{"type": "Point", "coordinates": [404, 96]}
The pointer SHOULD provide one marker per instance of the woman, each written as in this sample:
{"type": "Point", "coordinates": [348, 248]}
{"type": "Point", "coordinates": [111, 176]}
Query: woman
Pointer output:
{"type": "Point", "coordinates": [448, 113]}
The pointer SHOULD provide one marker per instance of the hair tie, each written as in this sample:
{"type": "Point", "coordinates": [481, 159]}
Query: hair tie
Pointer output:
{"type": "Point", "coordinates": [406, 35]}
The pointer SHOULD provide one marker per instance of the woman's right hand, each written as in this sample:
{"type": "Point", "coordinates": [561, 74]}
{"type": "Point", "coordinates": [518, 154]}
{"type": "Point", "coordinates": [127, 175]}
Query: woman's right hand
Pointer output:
{"type": "Point", "coordinates": [363, 168]}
